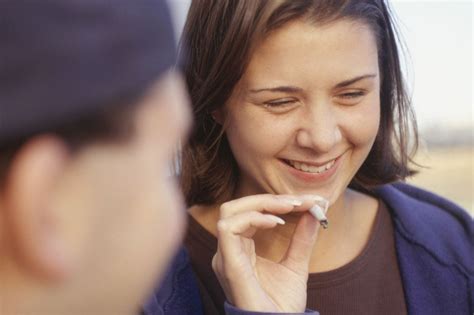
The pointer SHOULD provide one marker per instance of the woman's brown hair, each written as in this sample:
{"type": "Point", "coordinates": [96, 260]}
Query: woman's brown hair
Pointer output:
{"type": "Point", "coordinates": [218, 40]}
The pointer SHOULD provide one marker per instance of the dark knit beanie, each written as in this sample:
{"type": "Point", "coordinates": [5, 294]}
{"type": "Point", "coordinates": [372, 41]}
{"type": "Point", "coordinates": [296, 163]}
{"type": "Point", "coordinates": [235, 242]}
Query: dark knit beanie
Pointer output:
{"type": "Point", "coordinates": [64, 59]}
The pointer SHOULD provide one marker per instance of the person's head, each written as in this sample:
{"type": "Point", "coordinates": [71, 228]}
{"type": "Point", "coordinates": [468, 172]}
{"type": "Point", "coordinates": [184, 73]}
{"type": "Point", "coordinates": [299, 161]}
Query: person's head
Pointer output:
{"type": "Point", "coordinates": [90, 115]}
{"type": "Point", "coordinates": [277, 83]}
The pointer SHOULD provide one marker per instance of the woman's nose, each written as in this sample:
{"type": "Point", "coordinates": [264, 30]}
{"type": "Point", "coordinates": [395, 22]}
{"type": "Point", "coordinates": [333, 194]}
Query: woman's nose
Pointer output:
{"type": "Point", "coordinates": [319, 129]}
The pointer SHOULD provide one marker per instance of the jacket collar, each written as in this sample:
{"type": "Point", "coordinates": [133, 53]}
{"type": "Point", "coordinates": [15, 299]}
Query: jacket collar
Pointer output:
{"type": "Point", "coordinates": [432, 222]}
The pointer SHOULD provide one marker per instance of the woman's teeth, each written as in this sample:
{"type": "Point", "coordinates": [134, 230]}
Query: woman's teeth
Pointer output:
{"type": "Point", "coordinates": [311, 168]}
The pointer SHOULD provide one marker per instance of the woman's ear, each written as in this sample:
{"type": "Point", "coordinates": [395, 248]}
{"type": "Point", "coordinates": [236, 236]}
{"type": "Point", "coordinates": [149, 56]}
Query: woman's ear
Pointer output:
{"type": "Point", "coordinates": [218, 116]}
{"type": "Point", "coordinates": [35, 241]}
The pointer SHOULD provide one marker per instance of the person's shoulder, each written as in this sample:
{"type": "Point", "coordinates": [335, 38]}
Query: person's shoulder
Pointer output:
{"type": "Point", "coordinates": [178, 292]}
{"type": "Point", "coordinates": [423, 207]}
{"type": "Point", "coordinates": [432, 222]}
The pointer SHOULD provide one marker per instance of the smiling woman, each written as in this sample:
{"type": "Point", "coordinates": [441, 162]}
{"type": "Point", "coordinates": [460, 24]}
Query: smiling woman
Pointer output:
{"type": "Point", "coordinates": [247, 65]}
{"type": "Point", "coordinates": [320, 107]}
{"type": "Point", "coordinates": [297, 102]}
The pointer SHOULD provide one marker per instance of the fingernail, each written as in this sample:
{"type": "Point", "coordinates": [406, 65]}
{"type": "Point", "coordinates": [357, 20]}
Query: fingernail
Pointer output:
{"type": "Point", "coordinates": [276, 219]}
{"type": "Point", "coordinates": [293, 202]}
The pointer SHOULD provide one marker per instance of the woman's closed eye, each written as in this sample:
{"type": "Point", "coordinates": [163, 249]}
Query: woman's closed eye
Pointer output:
{"type": "Point", "coordinates": [280, 103]}
{"type": "Point", "coordinates": [351, 98]}
{"type": "Point", "coordinates": [352, 94]}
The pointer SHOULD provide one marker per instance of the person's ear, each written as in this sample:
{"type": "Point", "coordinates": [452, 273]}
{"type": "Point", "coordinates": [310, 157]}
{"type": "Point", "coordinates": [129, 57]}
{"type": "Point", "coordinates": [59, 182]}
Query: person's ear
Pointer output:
{"type": "Point", "coordinates": [32, 228]}
{"type": "Point", "coordinates": [218, 116]}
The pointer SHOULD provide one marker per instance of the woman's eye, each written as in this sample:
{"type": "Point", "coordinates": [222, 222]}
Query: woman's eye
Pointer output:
{"type": "Point", "coordinates": [352, 95]}
{"type": "Point", "coordinates": [279, 103]}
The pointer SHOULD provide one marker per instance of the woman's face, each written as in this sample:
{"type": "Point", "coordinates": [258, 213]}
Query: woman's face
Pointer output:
{"type": "Point", "coordinates": [305, 114]}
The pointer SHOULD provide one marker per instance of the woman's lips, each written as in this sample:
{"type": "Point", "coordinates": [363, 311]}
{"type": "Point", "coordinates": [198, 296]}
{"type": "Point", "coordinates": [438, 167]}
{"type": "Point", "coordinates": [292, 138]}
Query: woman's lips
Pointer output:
{"type": "Point", "coordinates": [312, 168]}
{"type": "Point", "coordinates": [310, 172]}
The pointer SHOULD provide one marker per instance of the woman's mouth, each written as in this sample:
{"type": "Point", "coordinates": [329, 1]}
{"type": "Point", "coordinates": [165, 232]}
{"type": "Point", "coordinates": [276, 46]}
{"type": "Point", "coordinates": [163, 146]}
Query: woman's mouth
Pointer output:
{"type": "Point", "coordinates": [311, 172]}
{"type": "Point", "coordinates": [310, 168]}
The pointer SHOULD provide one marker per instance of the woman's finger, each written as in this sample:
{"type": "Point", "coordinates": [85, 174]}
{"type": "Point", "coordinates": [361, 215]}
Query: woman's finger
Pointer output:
{"type": "Point", "coordinates": [231, 230]}
{"type": "Point", "coordinates": [277, 204]}
{"type": "Point", "coordinates": [298, 254]}
{"type": "Point", "coordinates": [242, 222]}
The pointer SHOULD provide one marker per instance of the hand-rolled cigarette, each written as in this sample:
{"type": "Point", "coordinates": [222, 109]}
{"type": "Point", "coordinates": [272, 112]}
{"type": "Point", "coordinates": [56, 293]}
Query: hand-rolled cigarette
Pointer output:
{"type": "Point", "coordinates": [319, 212]}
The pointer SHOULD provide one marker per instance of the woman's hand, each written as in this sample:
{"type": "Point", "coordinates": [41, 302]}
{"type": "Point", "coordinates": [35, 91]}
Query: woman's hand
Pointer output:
{"type": "Point", "coordinates": [254, 283]}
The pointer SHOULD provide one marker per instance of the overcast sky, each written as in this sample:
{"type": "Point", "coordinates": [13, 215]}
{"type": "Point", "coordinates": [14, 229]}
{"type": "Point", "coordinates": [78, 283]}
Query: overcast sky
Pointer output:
{"type": "Point", "coordinates": [438, 35]}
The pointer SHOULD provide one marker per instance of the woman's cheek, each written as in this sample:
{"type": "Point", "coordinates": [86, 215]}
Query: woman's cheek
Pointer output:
{"type": "Point", "coordinates": [256, 130]}
{"type": "Point", "coordinates": [362, 124]}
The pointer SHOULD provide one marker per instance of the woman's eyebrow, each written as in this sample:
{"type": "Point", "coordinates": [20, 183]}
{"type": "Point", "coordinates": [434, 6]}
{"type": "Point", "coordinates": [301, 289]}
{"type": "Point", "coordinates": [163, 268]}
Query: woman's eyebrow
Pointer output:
{"type": "Point", "coordinates": [294, 89]}
{"type": "Point", "coordinates": [282, 89]}
{"type": "Point", "coordinates": [354, 80]}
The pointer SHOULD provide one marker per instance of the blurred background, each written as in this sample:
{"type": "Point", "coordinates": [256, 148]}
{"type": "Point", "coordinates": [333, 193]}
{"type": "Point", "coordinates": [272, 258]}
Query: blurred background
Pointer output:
{"type": "Point", "coordinates": [437, 61]}
{"type": "Point", "coordinates": [438, 65]}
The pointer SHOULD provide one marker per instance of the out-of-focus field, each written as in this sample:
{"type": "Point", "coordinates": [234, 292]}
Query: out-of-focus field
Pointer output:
{"type": "Point", "coordinates": [449, 173]}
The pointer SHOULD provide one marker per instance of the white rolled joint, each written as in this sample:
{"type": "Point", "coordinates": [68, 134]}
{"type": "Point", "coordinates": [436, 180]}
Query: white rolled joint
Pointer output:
{"type": "Point", "coordinates": [319, 211]}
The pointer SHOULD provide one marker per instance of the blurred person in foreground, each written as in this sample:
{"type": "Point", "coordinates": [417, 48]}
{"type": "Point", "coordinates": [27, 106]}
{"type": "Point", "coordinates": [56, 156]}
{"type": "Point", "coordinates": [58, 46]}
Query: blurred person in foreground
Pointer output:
{"type": "Point", "coordinates": [90, 114]}
{"type": "Point", "coordinates": [294, 100]}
